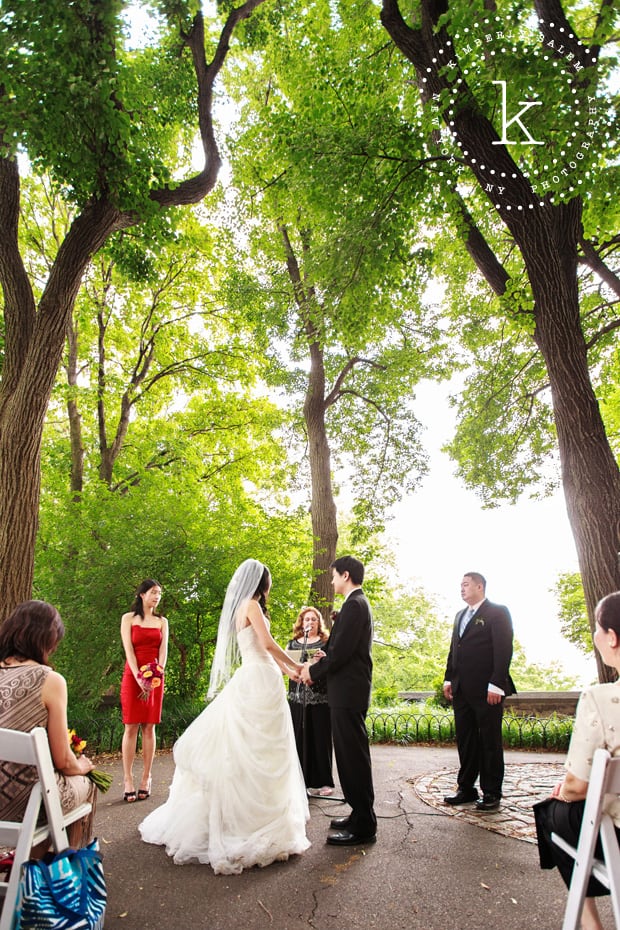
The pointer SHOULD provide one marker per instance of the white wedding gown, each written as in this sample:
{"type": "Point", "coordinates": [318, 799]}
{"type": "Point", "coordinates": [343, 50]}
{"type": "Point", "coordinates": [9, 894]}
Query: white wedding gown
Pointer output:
{"type": "Point", "coordinates": [238, 797]}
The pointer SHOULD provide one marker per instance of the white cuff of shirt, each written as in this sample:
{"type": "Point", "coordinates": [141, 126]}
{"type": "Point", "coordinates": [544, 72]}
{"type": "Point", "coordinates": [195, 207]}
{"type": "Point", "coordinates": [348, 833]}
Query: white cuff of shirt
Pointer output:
{"type": "Point", "coordinates": [495, 690]}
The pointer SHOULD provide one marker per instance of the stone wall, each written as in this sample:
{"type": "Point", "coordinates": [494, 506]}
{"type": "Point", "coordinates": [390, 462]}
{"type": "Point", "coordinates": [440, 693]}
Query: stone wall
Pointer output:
{"type": "Point", "coordinates": [542, 703]}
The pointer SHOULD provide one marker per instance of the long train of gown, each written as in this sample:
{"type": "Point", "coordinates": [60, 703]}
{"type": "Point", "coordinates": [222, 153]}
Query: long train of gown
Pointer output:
{"type": "Point", "coordinates": [238, 797]}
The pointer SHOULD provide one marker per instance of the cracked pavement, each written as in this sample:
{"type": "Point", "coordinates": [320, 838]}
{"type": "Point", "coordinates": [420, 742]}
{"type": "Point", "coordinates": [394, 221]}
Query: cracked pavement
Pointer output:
{"type": "Point", "coordinates": [432, 868]}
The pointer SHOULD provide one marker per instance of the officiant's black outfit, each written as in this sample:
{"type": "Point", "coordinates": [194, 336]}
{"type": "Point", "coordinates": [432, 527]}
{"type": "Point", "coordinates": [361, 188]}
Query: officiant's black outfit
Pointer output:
{"type": "Point", "coordinates": [347, 667]}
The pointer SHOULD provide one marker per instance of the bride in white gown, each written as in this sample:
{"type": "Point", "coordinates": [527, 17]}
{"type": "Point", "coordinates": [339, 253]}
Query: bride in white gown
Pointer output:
{"type": "Point", "coordinates": [238, 797]}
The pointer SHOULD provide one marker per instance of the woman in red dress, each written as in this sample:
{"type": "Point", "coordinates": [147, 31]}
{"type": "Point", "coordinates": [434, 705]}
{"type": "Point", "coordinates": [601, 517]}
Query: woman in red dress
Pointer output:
{"type": "Point", "coordinates": [144, 633]}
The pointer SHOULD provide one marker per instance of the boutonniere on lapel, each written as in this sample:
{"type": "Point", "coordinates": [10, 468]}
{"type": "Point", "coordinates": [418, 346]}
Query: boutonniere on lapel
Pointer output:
{"type": "Point", "coordinates": [479, 621]}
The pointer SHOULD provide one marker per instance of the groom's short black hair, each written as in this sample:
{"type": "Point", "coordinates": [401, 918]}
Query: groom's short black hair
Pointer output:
{"type": "Point", "coordinates": [355, 568]}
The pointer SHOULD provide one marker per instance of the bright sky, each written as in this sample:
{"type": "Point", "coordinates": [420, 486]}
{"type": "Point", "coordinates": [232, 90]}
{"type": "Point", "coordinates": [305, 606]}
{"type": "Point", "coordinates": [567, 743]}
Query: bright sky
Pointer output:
{"type": "Point", "coordinates": [441, 532]}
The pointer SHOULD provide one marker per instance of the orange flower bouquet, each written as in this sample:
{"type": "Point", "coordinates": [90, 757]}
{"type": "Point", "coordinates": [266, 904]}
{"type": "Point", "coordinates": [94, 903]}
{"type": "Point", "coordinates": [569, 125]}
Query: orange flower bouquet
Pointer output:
{"type": "Point", "coordinates": [102, 780]}
{"type": "Point", "coordinates": [150, 676]}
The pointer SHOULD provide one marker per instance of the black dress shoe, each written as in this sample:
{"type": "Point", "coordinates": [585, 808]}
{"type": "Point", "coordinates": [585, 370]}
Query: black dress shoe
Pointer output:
{"type": "Point", "coordinates": [488, 802]}
{"type": "Point", "coordinates": [340, 823]}
{"type": "Point", "coordinates": [345, 838]}
{"type": "Point", "coordinates": [462, 797]}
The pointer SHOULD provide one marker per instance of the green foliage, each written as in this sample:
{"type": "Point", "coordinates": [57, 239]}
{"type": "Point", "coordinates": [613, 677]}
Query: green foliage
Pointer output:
{"type": "Point", "coordinates": [130, 109]}
{"type": "Point", "coordinates": [411, 643]}
{"type": "Point", "coordinates": [552, 733]}
{"type": "Point", "coordinates": [182, 473]}
{"type": "Point", "coordinates": [534, 676]}
{"type": "Point", "coordinates": [323, 163]}
{"type": "Point", "coordinates": [93, 554]}
{"type": "Point", "coordinates": [573, 614]}
{"type": "Point", "coordinates": [505, 442]}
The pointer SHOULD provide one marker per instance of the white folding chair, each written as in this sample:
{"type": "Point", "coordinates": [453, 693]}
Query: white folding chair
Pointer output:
{"type": "Point", "coordinates": [604, 779]}
{"type": "Point", "coordinates": [32, 749]}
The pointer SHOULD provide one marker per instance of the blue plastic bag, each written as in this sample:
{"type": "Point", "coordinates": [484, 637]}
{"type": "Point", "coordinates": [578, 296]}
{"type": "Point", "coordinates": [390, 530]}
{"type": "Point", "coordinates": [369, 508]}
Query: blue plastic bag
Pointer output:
{"type": "Point", "coordinates": [63, 892]}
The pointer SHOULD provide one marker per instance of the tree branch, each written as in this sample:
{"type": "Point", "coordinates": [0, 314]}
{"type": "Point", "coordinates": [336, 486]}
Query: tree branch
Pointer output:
{"type": "Point", "coordinates": [594, 261]}
{"type": "Point", "coordinates": [19, 304]}
{"type": "Point", "coordinates": [481, 253]}
{"type": "Point", "coordinates": [195, 189]}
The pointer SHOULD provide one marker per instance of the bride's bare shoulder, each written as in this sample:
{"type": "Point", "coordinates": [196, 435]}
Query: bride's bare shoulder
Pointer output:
{"type": "Point", "coordinates": [248, 610]}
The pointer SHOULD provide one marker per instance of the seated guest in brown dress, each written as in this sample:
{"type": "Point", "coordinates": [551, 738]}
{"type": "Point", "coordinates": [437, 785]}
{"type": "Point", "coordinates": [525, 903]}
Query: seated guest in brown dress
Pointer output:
{"type": "Point", "coordinates": [33, 695]}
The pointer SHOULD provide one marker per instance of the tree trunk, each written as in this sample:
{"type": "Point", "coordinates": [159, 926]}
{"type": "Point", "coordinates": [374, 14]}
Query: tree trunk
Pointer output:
{"type": "Point", "coordinates": [548, 240]}
{"type": "Point", "coordinates": [24, 397]}
{"type": "Point", "coordinates": [73, 412]}
{"type": "Point", "coordinates": [323, 506]}
{"type": "Point", "coordinates": [323, 511]}
{"type": "Point", "coordinates": [590, 476]}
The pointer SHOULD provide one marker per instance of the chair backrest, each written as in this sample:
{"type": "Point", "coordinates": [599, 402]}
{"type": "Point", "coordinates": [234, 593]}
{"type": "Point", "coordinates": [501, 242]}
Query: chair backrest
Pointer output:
{"type": "Point", "coordinates": [612, 774]}
{"type": "Point", "coordinates": [33, 749]}
{"type": "Point", "coordinates": [16, 746]}
{"type": "Point", "coordinates": [604, 780]}
{"type": "Point", "coordinates": [29, 749]}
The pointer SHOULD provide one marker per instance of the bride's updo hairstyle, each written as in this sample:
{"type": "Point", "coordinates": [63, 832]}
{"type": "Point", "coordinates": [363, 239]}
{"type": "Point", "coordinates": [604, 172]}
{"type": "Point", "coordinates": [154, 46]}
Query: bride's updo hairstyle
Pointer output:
{"type": "Point", "coordinates": [263, 590]}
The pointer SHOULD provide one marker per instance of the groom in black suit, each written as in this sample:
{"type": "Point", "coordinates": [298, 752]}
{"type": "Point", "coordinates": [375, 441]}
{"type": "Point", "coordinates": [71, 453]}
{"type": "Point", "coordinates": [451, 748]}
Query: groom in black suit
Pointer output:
{"type": "Point", "coordinates": [347, 665]}
{"type": "Point", "coordinates": [477, 680]}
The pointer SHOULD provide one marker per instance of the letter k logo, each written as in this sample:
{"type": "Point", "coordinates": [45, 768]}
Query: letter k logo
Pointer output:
{"type": "Point", "coordinates": [526, 105]}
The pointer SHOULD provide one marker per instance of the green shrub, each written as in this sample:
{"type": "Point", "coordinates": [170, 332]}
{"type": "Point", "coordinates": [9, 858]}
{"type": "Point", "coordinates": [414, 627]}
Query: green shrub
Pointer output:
{"type": "Point", "coordinates": [403, 723]}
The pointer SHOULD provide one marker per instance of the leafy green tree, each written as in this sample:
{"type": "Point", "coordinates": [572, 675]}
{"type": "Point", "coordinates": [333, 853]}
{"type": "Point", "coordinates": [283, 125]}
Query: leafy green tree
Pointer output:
{"type": "Point", "coordinates": [332, 271]}
{"type": "Point", "coordinates": [536, 676]}
{"type": "Point", "coordinates": [410, 645]}
{"type": "Point", "coordinates": [154, 431]}
{"type": "Point", "coordinates": [187, 533]}
{"type": "Point", "coordinates": [520, 214]}
{"type": "Point", "coordinates": [125, 160]}
{"type": "Point", "coordinates": [572, 611]}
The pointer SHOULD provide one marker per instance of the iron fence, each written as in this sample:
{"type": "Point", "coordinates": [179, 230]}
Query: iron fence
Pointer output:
{"type": "Point", "coordinates": [104, 732]}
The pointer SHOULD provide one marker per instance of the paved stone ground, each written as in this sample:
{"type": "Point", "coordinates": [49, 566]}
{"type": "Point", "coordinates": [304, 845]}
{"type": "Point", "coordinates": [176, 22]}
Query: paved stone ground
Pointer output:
{"type": "Point", "coordinates": [524, 784]}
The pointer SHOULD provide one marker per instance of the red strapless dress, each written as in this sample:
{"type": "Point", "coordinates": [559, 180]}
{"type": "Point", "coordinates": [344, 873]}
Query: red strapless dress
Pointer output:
{"type": "Point", "coordinates": [146, 642]}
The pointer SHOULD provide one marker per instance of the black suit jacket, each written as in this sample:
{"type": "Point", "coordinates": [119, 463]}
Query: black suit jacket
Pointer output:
{"type": "Point", "coordinates": [482, 655]}
{"type": "Point", "coordinates": [348, 662]}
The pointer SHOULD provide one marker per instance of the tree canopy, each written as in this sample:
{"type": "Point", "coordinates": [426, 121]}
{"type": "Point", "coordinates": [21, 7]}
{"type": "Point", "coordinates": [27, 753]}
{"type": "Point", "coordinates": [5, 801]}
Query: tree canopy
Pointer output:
{"type": "Point", "coordinates": [369, 158]}
{"type": "Point", "coordinates": [134, 111]}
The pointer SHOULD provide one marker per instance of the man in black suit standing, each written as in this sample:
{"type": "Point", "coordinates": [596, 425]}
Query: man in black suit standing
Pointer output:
{"type": "Point", "coordinates": [477, 680]}
{"type": "Point", "coordinates": [347, 665]}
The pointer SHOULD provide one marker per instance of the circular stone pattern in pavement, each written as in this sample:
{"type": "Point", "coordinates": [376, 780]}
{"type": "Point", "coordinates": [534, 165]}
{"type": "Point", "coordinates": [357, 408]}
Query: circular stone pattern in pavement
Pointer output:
{"type": "Point", "coordinates": [524, 784]}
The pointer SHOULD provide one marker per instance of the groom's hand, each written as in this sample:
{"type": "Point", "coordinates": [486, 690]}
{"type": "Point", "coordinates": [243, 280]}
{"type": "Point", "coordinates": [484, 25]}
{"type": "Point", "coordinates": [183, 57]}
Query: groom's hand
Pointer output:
{"type": "Point", "coordinates": [305, 674]}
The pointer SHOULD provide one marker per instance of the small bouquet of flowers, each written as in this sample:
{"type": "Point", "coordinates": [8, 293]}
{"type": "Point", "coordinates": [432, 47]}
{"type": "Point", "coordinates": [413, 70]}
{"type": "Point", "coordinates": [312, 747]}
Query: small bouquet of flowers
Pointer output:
{"type": "Point", "coordinates": [150, 676]}
{"type": "Point", "coordinates": [102, 780]}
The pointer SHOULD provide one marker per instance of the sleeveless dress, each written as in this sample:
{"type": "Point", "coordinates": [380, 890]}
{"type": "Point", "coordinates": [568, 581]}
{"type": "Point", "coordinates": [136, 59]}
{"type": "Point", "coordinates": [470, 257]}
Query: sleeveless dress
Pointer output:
{"type": "Point", "coordinates": [312, 725]}
{"type": "Point", "coordinates": [238, 797]}
{"type": "Point", "coordinates": [21, 708]}
{"type": "Point", "coordinates": [146, 642]}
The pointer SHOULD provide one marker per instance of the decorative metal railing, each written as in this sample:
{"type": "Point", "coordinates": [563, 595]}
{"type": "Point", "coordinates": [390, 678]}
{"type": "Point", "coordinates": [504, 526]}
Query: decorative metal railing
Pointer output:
{"type": "Point", "coordinates": [404, 725]}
